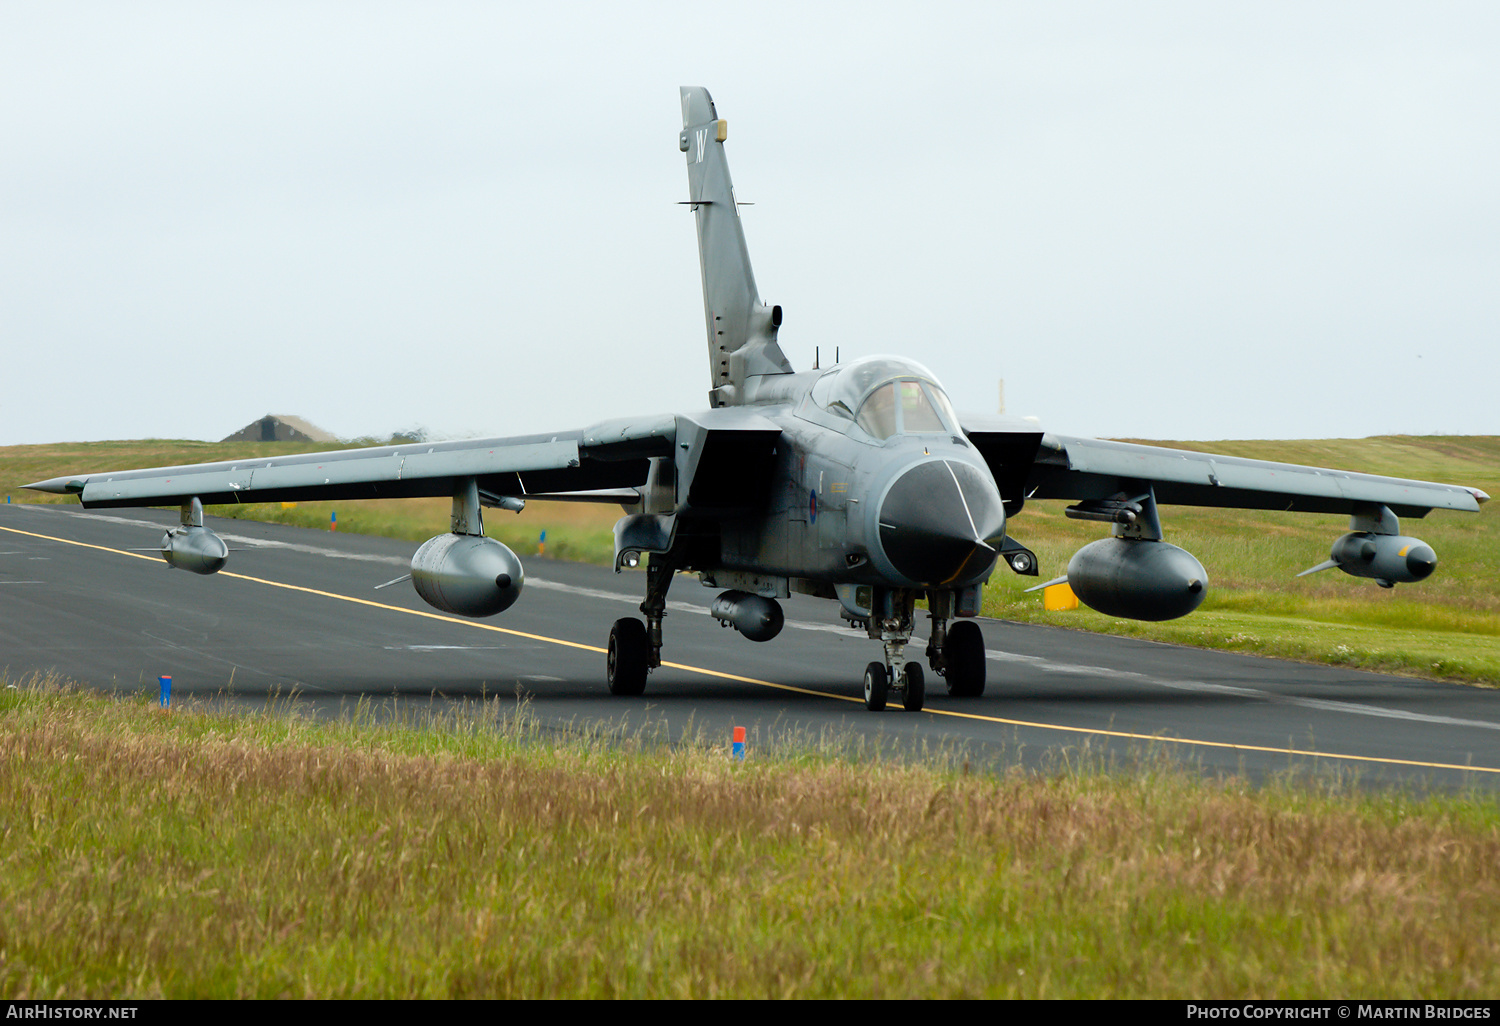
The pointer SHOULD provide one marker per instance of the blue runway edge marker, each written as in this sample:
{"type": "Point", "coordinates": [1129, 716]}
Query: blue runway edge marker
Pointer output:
{"type": "Point", "coordinates": [166, 691]}
{"type": "Point", "coordinates": [739, 742]}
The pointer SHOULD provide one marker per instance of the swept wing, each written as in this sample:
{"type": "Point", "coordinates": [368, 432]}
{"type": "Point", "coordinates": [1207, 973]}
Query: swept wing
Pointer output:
{"type": "Point", "coordinates": [1091, 468]}
{"type": "Point", "coordinates": [523, 466]}
{"type": "Point", "coordinates": [607, 462]}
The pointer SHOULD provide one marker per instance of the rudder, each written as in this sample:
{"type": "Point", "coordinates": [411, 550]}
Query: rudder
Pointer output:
{"type": "Point", "coordinates": [741, 329]}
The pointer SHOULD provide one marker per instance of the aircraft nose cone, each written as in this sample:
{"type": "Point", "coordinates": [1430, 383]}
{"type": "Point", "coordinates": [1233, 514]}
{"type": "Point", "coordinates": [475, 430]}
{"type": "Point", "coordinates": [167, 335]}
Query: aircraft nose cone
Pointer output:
{"type": "Point", "coordinates": [941, 522]}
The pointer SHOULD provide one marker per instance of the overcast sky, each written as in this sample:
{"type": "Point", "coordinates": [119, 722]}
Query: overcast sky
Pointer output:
{"type": "Point", "coordinates": [1170, 220]}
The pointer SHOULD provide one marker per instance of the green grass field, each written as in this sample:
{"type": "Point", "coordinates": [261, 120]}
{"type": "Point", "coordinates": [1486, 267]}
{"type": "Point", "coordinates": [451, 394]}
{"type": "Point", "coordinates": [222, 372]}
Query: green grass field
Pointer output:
{"type": "Point", "coordinates": [1448, 627]}
{"type": "Point", "coordinates": [196, 855]}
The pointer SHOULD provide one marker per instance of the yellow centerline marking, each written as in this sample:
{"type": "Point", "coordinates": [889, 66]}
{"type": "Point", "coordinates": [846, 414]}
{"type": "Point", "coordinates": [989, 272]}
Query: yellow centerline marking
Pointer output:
{"type": "Point", "coordinates": [956, 714]}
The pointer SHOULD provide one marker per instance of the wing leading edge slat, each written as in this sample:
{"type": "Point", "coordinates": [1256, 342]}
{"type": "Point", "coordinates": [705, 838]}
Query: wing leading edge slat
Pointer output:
{"type": "Point", "coordinates": [505, 466]}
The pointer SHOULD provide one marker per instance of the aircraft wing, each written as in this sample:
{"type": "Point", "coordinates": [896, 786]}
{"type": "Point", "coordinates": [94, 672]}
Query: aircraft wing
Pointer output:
{"type": "Point", "coordinates": [1092, 468]}
{"type": "Point", "coordinates": [575, 464]}
{"type": "Point", "coordinates": [723, 454]}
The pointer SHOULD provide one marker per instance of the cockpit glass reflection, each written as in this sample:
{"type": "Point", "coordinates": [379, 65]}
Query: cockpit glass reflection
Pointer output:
{"type": "Point", "coordinates": [917, 414]}
{"type": "Point", "coordinates": [886, 396]}
{"type": "Point", "coordinates": [878, 414]}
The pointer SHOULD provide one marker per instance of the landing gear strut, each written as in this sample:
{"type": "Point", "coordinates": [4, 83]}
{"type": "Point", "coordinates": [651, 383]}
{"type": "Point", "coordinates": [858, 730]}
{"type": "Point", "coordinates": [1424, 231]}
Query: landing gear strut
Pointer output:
{"type": "Point", "coordinates": [892, 624]}
{"type": "Point", "coordinates": [955, 653]}
{"type": "Point", "coordinates": [635, 647]}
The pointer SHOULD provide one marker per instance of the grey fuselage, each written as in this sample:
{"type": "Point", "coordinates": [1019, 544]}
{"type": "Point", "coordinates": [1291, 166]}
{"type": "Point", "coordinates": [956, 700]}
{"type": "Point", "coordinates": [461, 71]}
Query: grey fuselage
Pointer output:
{"type": "Point", "coordinates": [835, 503]}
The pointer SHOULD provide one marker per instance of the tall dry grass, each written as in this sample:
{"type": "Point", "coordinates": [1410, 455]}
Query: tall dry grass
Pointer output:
{"type": "Point", "coordinates": [197, 855]}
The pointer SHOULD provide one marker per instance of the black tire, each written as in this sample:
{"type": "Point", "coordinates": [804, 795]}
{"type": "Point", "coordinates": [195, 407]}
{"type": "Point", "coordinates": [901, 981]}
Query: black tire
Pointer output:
{"type": "Point", "coordinates": [964, 656]}
{"type": "Point", "coordinates": [627, 657]}
{"type": "Point", "coordinates": [877, 685]}
{"type": "Point", "coordinates": [916, 688]}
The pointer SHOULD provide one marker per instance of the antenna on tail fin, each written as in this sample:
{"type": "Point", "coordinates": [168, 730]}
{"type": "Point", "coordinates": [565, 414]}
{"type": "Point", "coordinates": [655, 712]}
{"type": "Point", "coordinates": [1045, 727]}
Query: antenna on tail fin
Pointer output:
{"type": "Point", "coordinates": [741, 329]}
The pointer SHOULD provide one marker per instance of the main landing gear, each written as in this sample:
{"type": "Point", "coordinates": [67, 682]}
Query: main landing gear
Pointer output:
{"type": "Point", "coordinates": [960, 659]}
{"type": "Point", "coordinates": [628, 657]}
{"type": "Point", "coordinates": [955, 653]}
{"type": "Point", "coordinates": [635, 647]}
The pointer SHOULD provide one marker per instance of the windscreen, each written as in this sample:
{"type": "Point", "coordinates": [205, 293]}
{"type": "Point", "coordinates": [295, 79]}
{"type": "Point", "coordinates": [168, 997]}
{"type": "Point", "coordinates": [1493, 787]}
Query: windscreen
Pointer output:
{"type": "Point", "coordinates": [886, 396]}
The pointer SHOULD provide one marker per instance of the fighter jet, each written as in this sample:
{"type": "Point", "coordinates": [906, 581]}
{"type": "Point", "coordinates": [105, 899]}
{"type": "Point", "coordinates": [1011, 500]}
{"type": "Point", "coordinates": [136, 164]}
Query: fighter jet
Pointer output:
{"type": "Point", "coordinates": [856, 483]}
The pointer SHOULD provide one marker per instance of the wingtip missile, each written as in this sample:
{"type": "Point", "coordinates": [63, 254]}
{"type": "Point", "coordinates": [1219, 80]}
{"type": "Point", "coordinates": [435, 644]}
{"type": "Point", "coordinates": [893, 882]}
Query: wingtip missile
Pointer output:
{"type": "Point", "coordinates": [1388, 559]}
{"type": "Point", "coordinates": [194, 548]}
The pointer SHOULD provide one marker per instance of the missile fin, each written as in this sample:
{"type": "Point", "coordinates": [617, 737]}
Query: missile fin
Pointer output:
{"type": "Point", "coordinates": [1039, 587]}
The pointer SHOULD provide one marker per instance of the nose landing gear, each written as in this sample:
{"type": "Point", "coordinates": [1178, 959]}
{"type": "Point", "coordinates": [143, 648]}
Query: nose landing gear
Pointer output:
{"type": "Point", "coordinates": [895, 674]}
{"type": "Point", "coordinates": [879, 683]}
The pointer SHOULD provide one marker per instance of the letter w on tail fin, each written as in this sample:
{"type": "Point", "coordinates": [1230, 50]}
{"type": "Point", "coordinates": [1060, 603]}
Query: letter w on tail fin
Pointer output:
{"type": "Point", "coordinates": [741, 329]}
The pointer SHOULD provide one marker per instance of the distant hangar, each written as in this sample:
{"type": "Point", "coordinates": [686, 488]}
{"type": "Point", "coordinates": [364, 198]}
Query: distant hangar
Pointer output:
{"type": "Point", "coordinates": [274, 427]}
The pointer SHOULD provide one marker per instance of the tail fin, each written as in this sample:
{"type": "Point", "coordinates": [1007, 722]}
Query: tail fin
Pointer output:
{"type": "Point", "coordinates": [741, 329]}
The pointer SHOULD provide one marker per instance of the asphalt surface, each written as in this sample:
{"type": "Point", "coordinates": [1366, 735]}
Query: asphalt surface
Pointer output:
{"type": "Point", "coordinates": [295, 619]}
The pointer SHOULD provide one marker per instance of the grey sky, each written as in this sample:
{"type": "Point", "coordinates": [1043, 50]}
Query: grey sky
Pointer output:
{"type": "Point", "coordinates": [1175, 220]}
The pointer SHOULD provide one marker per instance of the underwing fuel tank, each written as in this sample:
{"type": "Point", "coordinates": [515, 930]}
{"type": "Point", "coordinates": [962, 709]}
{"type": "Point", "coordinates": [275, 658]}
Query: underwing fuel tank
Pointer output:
{"type": "Point", "coordinates": [467, 574]}
{"type": "Point", "coordinates": [757, 618]}
{"type": "Point", "coordinates": [1137, 579]}
{"type": "Point", "coordinates": [1387, 558]}
{"type": "Point", "coordinates": [194, 548]}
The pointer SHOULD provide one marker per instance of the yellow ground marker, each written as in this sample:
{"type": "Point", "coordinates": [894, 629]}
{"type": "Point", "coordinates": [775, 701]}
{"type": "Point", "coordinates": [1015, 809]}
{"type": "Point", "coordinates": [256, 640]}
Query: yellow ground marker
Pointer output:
{"type": "Point", "coordinates": [1058, 598]}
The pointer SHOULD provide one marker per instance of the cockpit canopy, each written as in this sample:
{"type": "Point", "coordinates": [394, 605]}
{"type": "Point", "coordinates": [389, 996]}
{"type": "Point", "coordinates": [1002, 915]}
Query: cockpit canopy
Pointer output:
{"type": "Point", "coordinates": [886, 396]}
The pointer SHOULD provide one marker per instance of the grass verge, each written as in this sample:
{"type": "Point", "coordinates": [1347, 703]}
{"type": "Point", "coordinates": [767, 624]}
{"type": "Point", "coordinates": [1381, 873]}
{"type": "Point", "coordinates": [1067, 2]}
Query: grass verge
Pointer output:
{"type": "Point", "coordinates": [197, 855]}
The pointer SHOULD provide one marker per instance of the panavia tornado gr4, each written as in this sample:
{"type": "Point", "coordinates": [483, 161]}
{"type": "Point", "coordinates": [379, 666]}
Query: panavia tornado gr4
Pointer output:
{"type": "Point", "coordinates": [857, 483]}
